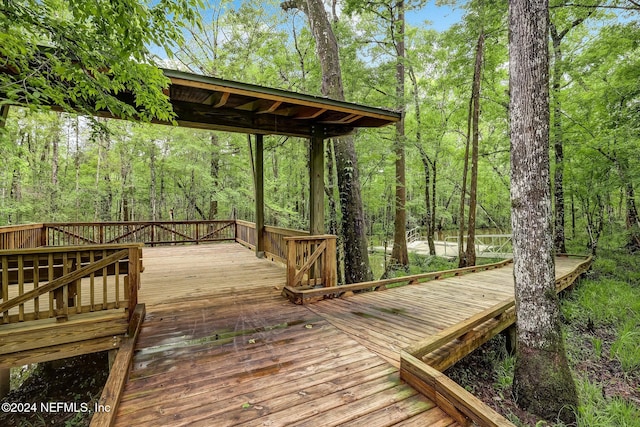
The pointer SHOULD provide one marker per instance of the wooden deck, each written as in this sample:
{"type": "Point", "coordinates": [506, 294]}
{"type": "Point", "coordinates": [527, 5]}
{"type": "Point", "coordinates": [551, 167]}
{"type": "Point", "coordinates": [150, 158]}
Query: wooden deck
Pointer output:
{"type": "Point", "coordinates": [220, 346]}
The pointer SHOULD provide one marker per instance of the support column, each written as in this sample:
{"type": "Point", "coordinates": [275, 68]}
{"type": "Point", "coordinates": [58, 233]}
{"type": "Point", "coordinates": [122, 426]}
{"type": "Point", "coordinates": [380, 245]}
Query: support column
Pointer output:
{"type": "Point", "coordinates": [259, 188]}
{"type": "Point", "coordinates": [510, 339]}
{"type": "Point", "coordinates": [316, 185]}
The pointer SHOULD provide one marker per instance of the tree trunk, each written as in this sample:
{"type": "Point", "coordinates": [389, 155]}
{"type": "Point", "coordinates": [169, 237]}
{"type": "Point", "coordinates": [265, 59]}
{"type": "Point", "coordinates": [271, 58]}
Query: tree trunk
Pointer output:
{"type": "Point", "coordinates": [558, 141]}
{"type": "Point", "coordinates": [542, 379]}
{"type": "Point", "coordinates": [558, 187]}
{"type": "Point", "coordinates": [333, 211]}
{"type": "Point", "coordinates": [215, 170]}
{"type": "Point", "coordinates": [399, 254]}
{"type": "Point", "coordinates": [55, 158]}
{"type": "Point", "coordinates": [356, 257]}
{"type": "Point", "coordinates": [153, 194]}
{"type": "Point", "coordinates": [633, 221]}
{"type": "Point", "coordinates": [427, 164]}
{"type": "Point", "coordinates": [470, 255]}
{"type": "Point", "coordinates": [462, 254]}
{"type": "Point", "coordinates": [76, 164]}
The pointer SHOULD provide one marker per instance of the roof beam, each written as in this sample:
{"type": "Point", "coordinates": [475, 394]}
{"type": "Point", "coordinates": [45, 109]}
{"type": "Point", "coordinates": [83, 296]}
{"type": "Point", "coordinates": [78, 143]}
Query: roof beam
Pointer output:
{"type": "Point", "coordinates": [234, 120]}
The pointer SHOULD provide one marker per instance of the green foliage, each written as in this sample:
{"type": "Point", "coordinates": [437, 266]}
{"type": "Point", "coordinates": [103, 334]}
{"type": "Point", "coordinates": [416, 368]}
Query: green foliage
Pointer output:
{"type": "Point", "coordinates": [626, 348]}
{"type": "Point", "coordinates": [84, 55]}
{"type": "Point", "coordinates": [604, 302]}
{"type": "Point", "coordinates": [504, 372]}
{"type": "Point", "coordinates": [598, 411]}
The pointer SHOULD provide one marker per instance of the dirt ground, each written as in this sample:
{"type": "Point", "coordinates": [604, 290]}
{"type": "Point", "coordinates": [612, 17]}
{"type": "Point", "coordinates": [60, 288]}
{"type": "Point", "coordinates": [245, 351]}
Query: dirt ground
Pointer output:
{"type": "Point", "coordinates": [477, 373]}
{"type": "Point", "coordinates": [61, 393]}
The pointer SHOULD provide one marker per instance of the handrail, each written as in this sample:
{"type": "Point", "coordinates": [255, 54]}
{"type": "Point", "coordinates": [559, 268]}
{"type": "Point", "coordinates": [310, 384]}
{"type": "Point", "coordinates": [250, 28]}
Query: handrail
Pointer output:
{"type": "Point", "coordinates": [69, 276]}
{"type": "Point", "coordinates": [447, 394]}
{"type": "Point", "coordinates": [484, 248]}
{"type": "Point", "coordinates": [64, 280]}
{"type": "Point", "coordinates": [275, 245]}
{"type": "Point", "coordinates": [434, 342]}
{"type": "Point", "coordinates": [148, 232]}
{"type": "Point", "coordinates": [413, 235]}
{"type": "Point", "coordinates": [22, 236]}
{"type": "Point", "coordinates": [478, 329]}
{"type": "Point", "coordinates": [301, 296]}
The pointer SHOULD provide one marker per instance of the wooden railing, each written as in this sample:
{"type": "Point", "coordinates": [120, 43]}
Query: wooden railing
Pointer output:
{"type": "Point", "coordinates": [311, 261]}
{"type": "Point", "coordinates": [487, 245]}
{"type": "Point", "coordinates": [449, 396]}
{"type": "Point", "coordinates": [304, 296]}
{"type": "Point", "coordinates": [275, 243]}
{"type": "Point", "coordinates": [61, 282]}
{"type": "Point", "coordinates": [422, 363]}
{"type": "Point", "coordinates": [22, 236]}
{"type": "Point", "coordinates": [246, 233]}
{"type": "Point", "coordinates": [149, 232]}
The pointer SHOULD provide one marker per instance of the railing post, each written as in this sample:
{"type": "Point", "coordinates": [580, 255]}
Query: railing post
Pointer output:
{"type": "Point", "coordinates": [259, 195]}
{"type": "Point", "coordinates": [44, 236]}
{"type": "Point", "coordinates": [134, 278]}
{"type": "Point", "coordinates": [329, 276]}
{"type": "Point", "coordinates": [291, 261]}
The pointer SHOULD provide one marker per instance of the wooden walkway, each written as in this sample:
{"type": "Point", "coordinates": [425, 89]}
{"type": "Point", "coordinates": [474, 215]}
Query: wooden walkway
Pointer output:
{"type": "Point", "coordinates": [220, 346]}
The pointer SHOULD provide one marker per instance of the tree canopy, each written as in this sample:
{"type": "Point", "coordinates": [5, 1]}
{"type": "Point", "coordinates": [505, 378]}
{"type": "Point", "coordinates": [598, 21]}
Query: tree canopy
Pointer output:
{"type": "Point", "coordinates": [90, 55]}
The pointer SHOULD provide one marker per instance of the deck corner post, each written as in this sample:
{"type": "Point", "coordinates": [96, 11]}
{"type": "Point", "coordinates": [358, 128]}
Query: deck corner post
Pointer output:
{"type": "Point", "coordinates": [259, 188]}
{"type": "Point", "coordinates": [133, 282]}
{"type": "Point", "coordinates": [316, 183]}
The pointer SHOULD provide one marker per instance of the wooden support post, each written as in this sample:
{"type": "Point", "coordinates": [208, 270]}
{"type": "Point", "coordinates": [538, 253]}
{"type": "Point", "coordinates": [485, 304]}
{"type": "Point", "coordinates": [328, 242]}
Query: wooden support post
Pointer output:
{"type": "Point", "coordinates": [259, 188]}
{"type": "Point", "coordinates": [5, 381]}
{"type": "Point", "coordinates": [316, 185]}
{"type": "Point", "coordinates": [510, 339]}
{"type": "Point", "coordinates": [112, 357]}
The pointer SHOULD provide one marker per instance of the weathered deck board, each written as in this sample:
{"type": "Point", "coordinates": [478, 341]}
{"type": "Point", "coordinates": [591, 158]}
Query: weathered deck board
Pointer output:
{"type": "Point", "coordinates": [221, 347]}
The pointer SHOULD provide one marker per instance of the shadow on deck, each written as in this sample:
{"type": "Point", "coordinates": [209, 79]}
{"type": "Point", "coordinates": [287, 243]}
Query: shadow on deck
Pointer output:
{"type": "Point", "coordinates": [220, 346]}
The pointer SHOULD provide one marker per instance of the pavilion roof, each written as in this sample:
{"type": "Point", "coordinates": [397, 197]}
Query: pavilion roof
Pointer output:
{"type": "Point", "coordinates": [211, 103]}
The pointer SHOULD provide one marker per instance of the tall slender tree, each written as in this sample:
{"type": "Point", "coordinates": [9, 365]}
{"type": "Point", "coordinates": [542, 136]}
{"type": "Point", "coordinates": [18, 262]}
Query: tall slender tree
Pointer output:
{"type": "Point", "coordinates": [542, 379]}
{"type": "Point", "coordinates": [399, 254]}
{"type": "Point", "coordinates": [356, 257]}
{"type": "Point", "coordinates": [558, 32]}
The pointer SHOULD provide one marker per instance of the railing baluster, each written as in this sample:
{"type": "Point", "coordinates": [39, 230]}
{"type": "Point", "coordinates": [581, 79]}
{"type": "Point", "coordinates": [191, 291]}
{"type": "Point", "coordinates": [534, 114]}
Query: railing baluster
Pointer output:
{"type": "Point", "coordinates": [20, 286]}
{"type": "Point", "coordinates": [50, 278]}
{"type": "Point", "coordinates": [92, 294]}
{"type": "Point", "coordinates": [5, 286]}
{"type": "Point", "coordinates": [36, 283]}
{"type": "Point", "coordinates": [104, 283]}
{"type": "Point", "coordinates": [117, 274]}
{"type": "Point", "coordinates": [79, 284]}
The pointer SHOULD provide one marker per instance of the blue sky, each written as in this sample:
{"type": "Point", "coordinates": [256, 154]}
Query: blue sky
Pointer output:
{"type": "Point", "coordinates": [440, 17]}
{"type": "Point", "coordinates": [437, 17]}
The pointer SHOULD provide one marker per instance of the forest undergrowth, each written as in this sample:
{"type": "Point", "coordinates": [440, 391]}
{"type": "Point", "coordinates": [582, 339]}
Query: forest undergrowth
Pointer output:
{"type": "Point", "coordinates": [601, 324]}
